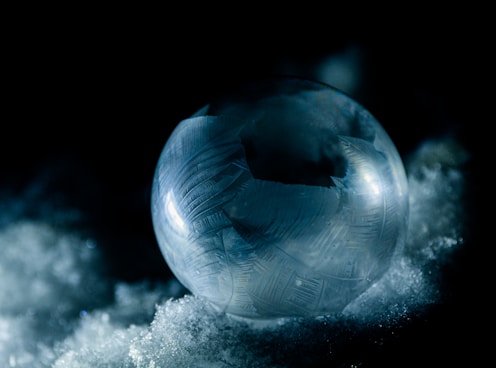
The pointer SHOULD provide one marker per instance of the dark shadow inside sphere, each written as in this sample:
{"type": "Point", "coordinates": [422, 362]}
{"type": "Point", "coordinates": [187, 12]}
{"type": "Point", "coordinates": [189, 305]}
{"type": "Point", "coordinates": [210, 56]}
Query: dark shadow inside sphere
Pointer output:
{"type": "Point", "coordinates": [285, 143]}
{"type": "Point", "coordinates": [275, 158]}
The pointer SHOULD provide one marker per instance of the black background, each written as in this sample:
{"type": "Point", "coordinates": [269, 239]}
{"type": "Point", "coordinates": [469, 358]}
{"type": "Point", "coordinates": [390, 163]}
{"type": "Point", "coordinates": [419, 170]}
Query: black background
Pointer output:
{"type": "Point", "coordinates": [91, 97]}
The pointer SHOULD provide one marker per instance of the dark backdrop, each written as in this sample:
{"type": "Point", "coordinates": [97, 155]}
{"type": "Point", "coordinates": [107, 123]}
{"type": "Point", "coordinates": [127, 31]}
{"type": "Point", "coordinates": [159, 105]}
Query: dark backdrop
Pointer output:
{"type": "Point", "coordinates": [90, 103]}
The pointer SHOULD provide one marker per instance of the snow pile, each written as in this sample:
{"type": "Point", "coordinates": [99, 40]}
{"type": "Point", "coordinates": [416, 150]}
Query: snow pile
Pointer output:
{"type": "Point", "coordinates": [59, 309]}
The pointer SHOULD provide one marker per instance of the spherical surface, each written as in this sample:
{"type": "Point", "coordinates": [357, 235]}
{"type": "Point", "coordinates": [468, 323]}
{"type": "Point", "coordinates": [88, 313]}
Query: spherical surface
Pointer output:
{"type": "Point", "coordinates": [283, 198]}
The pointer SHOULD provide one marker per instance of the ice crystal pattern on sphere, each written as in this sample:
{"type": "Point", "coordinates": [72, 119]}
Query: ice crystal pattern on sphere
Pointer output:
{"type": "Point", "coordinates": [285, 197]}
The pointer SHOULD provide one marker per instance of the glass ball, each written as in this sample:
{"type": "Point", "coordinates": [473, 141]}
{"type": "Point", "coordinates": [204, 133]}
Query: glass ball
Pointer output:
{"type": "Point", "coordinates": [283, 197]}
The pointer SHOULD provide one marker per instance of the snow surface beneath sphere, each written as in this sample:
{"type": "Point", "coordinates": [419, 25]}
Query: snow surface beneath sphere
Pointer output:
{"type": "Point", "coordinates": [58, 309]}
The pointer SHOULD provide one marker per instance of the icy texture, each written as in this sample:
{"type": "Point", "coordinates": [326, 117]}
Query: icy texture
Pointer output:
{"type": "Point", "coordinates": [49, 320]}
{"type": "Point", "coordinates": [46, 278]}
{"type": "Point", "coordinates": [285, 198]}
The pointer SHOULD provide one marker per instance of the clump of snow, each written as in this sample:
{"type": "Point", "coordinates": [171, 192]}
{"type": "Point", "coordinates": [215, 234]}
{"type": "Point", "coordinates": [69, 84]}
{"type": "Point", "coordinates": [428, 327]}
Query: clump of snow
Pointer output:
{"type": "Point", "coordinates": [59, 310]}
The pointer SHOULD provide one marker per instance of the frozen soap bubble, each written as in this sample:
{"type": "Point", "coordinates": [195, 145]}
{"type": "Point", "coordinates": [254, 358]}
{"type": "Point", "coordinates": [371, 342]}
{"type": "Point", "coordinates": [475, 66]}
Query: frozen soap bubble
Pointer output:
{"type": "Point", "coordinates": [283, 198]}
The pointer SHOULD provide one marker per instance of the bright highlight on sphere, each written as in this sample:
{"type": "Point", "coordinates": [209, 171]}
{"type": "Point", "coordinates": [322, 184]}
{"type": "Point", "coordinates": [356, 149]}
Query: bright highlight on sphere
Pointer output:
{"type": "Point", "coordinates": [283, 198]}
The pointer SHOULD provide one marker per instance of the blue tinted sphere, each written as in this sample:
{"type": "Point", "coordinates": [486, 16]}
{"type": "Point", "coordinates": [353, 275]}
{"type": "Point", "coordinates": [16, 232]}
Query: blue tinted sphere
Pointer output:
{"type": "Point", "coordinates": [283, 198]}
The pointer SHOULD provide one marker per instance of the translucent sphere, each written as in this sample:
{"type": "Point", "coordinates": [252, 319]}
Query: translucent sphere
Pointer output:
{"type": "Point", "coordinates": [284, 197]}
